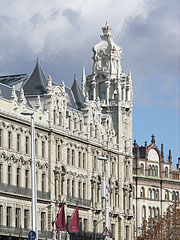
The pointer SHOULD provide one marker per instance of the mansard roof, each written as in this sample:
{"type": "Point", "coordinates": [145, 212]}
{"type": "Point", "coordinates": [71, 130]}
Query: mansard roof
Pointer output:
{"type": "Point", "coordinates": [79, 97]}
{"type": "Point", "coordinates": [36, 83]}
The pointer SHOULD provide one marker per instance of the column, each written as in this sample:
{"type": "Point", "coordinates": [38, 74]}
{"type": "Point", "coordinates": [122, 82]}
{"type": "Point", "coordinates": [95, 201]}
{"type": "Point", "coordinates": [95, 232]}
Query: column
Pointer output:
{"type": "Point", "coordinates": [94, 90]}
{"type": "Point", "coordinates": [107, 91]}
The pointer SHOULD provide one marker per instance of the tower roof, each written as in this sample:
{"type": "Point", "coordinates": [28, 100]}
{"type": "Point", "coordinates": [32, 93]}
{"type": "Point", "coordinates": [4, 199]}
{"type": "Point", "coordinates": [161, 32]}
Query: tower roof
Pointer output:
{"type": "Point", "coordinates": [79, 97]}
{"type": "Point", "coordinates": [36, 83]}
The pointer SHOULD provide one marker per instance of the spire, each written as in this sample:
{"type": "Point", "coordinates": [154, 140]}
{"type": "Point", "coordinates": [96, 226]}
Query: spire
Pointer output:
{"type": "Point", "coordinates": [49, 85]}
{"type": "Point", "coordinates": [78, 96]}
{"type": "Point", "coordinates": [37, 82]}
{"type": "Point", "coordinates": [152, 139]}
{"type": "Point", "coordinates": [38, 103]}
{"type": "Point", "coordinates": [13, 94]}
{"type": "Point", "coordinates": [162, 151]}
{"type": "Point", "coordinates": [107, 33]}
{"type": "Point", "coordinates": [22, 98]}
{"type": "Point", "coordinates": [83, 81]}
{"type": "Point", "coordinates": [170, 156]}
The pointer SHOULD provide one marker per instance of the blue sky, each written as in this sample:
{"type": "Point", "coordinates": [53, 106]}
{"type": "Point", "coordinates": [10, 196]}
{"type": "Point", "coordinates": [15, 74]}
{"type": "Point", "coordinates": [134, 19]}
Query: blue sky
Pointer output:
{"type": "Point", "coordinates": [62, 34]}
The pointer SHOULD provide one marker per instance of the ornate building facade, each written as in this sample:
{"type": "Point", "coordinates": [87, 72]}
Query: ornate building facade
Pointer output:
{"type": "Point", "coordinates": [156, 185]}
{"type": "Point", "coordinates": [73, 128]}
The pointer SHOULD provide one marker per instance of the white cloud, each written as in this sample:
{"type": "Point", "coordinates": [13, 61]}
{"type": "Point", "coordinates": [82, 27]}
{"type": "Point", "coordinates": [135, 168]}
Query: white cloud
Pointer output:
{"type": "Point", "coordinates": [59, 27]}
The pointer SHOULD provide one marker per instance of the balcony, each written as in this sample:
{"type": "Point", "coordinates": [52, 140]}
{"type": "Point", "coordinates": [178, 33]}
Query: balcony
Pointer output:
{"type": "Point", "coordinates": [81, 202]}
{"type": "Point", "coordinates": [7, 188]}
{"type": "Point", "coordinates": [23, 233]}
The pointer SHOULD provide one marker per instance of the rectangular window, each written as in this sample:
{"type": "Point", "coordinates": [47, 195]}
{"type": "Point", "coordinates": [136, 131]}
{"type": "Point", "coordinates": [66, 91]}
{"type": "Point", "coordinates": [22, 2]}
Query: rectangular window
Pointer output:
{"type": "Point", "coordinates": [73, 157]}
{"type": "Point", "coordinates": [26, 219]}
{"type": "Point", "coordinates": [60, 119]}
{"type": "Point", "coordinates": [18, 217]}
{"type": "Point", "coordinates": [8, 216]}
{"type": "Point", "coordinates": [0, 137]}
{"type": "Point", "coordinates": [43, 221]}
{"type": "Point", "coordinates": [84, 190]}
{"type": "Point", "coordinates": [80, 225]}
{"type": "Point", "coordinates": [1, 215]}
{"type": "Point", "coordinates": [26, 178]}
{"type": "Point", "coordinates": [68, 156]}
{"type": "Point", "coordinates": [36, 147]}
{"type": "Point", "coordinates": [27, 145]}
{"type": "Point", "coordinates": [43, 182]}
{"type": "Point", "coordinates": [112, 169]}
{"type": "Point", "coordinates": [9, 140]}
{"type": "Point", "coordinates": [79, 159]}
{"type": "Point", "coordinates": [9, 174]}
{"type": "Point", "coordinates": [95, 162]}
{"type": "Point", "coordinates": [58, 151]}
{"type": "Point", "coordinates": [68, 187]}
{"type": "Point", "coordinates": [85, 226]}
{"type": "Point", "coordinates": [79, 189]}
{"type": "Point", "coordinates": [127, 232]}
{"type": "Point", "coordinates": [84, 160]}
{"type": "Point", "coordinates": [1, 173]}
{"type": "Point", "coordinates": [80, 125]}
{"type": "Point", "coordinates": [72, 188]}
{"type": "Point", "coordinates": [18, 177]}
{"type": "Point", "coordinates": [54, 116]}
{"type": "Point", "coordinates": [43, 149]}
{"type": "Point", "coordinates": [18, 142]}
{"type": "Point", "coordinates": [62, 186]}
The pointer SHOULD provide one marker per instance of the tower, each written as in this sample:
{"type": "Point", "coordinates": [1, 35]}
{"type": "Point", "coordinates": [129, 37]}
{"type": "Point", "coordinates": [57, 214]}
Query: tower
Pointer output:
{"type": "Point", "coordinates": [112, 87]}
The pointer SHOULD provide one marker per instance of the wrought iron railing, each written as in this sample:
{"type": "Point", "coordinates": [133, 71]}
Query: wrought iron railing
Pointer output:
{"type": "Point", "coordinates": [8, 188]}
{"type": "Point", "coordinates": [81, 202]}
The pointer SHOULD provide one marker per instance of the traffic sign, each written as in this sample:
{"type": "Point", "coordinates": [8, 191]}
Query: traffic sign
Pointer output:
{"type": "Point", "coordinates": [32, 235]}
{"type": "Point", "coordinates": [106, 232]}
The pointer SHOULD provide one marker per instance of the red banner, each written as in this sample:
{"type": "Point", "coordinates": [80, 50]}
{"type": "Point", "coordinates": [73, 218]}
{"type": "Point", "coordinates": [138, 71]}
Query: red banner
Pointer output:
{"type": "Point", "coordinates": [60, 222]}
{"type": "Point", "coordinates": [74, 223]}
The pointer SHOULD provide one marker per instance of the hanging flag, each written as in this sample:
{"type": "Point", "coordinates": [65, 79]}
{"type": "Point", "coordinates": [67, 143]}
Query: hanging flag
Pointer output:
{"type": "Point", "coordinates": [74, 223]}
{"type": "Point", "coordinates": [60, 222]}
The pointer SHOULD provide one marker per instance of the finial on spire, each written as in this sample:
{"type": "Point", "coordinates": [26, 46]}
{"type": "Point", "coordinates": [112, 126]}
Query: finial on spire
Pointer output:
{"type": "Point", "coordinates": [107, 35]}
{"type": "Point", "coordinates": [13, 94]}
{"type": "Point", "coordinates": [75, 77]}
{"type": "Point", "coordinates": [83, 81]}
{"type": "Point", "coordinates": [153, 138]}
{"type": "Point", "coordinates": [49, 85]}
{"type": "Point", "coordinates": [22, 98]}
{"type": "Point", "coordinates": [170, 156]}
{"type": "Point", "coordinates": [162, 150]}
{"type": "Point", "coordinates": [37, 62]}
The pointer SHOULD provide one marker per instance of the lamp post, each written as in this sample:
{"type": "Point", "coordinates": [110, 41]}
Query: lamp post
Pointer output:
{"type": "Point", "coordinates": [106, 193]}
{"type": "Point", "coordinates": [33, 174]}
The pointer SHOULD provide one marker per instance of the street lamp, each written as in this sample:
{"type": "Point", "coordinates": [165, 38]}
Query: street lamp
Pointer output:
{"type": "Point", "coordinates": [33, 174]}
{"type": "Point", "coordinates": [106, 193]}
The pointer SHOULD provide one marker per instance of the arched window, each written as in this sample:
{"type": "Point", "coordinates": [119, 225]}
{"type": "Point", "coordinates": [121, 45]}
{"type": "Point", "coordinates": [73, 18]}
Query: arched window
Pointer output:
{"type": "Point", "coordinates": [149, 193]}
{"type": "Point", "coordinates": [134, 210]}
{"type": "Point", "coordinates": [154, 212]}
{"type": "Point", "coordinates": [143, 212]}
{"type": "Point", "coordinates": [142, 192]}
{"type": "Point", "coordinates": [166, 195]}
{"type": "Point", "coordinates": [157, 194]}
{"type": "Point", "coordinates": [142, 169]}
{"type": "Point", "coordinates": [156, 171]}
{"type": "Point", "coordinates": [133, 192]}
{"type": "Point", "coordinates": [153, 194]}
{"type": "Point", "coordinates": [177, 196]}
{"type": "Point", "coordinates": [150, 212]}
{"type": "Point", "coordinates": [157, 211]}
{"type": "Point", "coordinates": [153, 171]}
{"type": "Point", "coordinates": [166, 172]}
{"type": "Point", "coordinates": [174, 196]}
{"type": "Point", "coordinates": [150, 170]}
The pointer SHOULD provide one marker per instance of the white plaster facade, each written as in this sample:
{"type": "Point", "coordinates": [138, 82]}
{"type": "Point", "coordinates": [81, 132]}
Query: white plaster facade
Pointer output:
{"type": "Point", "coordinates": [68, 142]}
